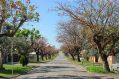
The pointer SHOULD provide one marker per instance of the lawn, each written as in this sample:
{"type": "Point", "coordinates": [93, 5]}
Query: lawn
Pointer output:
{"type": "Point", "coordinates": [94, 68]}
{"type": "Point", "coordinates": [91, 67]}
{"type": "Point", "coordinates": [17, 69]}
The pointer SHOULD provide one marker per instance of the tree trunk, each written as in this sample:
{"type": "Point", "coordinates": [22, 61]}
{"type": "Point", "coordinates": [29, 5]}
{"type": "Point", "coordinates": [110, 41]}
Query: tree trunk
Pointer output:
{"type": "Point", "coordinates": [46, 56]}
{"type": "Point", "coordinates": [87, 58]}
{"type": "Point", "coordinates": [96, 58]}
{"type": "Point", "coordinates": [104, 59]}
{"type": "Point", "coordinates": [72, 56]}
{"type": "Point", "coordinates": [105, 62]}
{"type": "Point", "coordinates": [77, 54]}
{"type": "Point", "coordinates": [1, 62]}
{"type": "Point", "coordinates": [37, 54]}
{"type": "Point", "coordinates": [37, 57]}
{"type": "Point", "coordinates": [78, 58]}
{"type": "Point", "coordinates": [49, 56]}
{"type": "Point", "coordinates": [42, 56]}
{"type": "Point", "coordinates": [97, 38]}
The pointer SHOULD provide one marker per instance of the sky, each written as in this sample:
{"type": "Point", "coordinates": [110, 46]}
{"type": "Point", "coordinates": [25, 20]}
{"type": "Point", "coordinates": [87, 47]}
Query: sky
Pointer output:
{"type": "Point", "coordinates": [49, 19]}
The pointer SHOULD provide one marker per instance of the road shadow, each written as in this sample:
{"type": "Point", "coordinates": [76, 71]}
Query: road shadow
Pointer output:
{"type": "Point", "coordinates": [69, 77]}
{"type": "Point", "coordinates": [46, 69]}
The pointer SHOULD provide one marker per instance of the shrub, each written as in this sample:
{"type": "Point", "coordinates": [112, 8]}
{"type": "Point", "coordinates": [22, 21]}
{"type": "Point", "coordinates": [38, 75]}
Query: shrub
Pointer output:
{"type": "Point", "coordinates": [23, 60]}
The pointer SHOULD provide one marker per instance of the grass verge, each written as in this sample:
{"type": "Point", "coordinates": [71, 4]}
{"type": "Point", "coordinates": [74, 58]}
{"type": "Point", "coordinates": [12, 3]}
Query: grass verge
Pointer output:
{"type": "Point", "coordinates": [97, 69]}
{"type": "Point", "coordinates": [17, 70]}
{"type": "Point", "coordinates": [91, 67]}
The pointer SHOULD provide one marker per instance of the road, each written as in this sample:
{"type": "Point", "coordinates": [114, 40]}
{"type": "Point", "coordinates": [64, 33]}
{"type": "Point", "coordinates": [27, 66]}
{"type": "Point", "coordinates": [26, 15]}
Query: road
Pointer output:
{"type": "Point", "coordinates": [61, 68]}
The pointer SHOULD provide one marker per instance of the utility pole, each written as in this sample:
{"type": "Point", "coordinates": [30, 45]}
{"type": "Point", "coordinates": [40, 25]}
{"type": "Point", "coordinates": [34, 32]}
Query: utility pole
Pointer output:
{"type": "Point", "coordinates": [12, 54]}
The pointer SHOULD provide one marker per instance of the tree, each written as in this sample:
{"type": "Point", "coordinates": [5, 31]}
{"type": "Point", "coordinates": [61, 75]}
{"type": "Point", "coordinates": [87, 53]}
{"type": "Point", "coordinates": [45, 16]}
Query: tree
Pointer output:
{"type": "Point", "coordinates": [43, 49]}
{"type": "Point", "coordinates": [31, 36]}
{"type": "Point", "coordinates": [34, 35]}
{"type": "Point", "coordinates": [102, 18]}
{"type": "Point", "coordinates": [39, 47]}
{"type": "Point", "coordinates": [4, 50]}
{"type": "Point", "coordinates": [50, 50]}
{"type": "Point", "coordinates": [23, 33]}
{"type": "Point", "coordinates": [70, 35]}
{"type": "Point", "coordinates": [13, 14]}
{"type": "Point", "coordinates": [21, 42]}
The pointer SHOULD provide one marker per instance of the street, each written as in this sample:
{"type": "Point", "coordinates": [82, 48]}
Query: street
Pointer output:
{"type": "Point", "coordinates": [61, 68]}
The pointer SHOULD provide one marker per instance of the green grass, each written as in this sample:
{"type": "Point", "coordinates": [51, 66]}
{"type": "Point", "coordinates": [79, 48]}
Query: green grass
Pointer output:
{"type": "Point", "coordinates": [97, 69]}
{"type": "Point", "coordinates": [18, 69]}
{"type": "Point", "coordinates": [91, 67]}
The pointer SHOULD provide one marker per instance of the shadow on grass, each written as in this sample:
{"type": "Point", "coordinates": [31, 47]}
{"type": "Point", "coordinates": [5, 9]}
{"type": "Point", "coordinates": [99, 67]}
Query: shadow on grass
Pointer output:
{"type": "Point", "coordinates": [2, 77]}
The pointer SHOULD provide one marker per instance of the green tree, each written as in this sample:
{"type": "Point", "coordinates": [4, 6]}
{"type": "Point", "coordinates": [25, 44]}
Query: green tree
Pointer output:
{"type": "Point", "coordinates": [35, 34]}
{"type": "Point", "coordinates": [31, 36]}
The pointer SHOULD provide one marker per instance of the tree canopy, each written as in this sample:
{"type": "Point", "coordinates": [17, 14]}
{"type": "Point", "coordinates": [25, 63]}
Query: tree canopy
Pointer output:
{"type": "Point", "coordinates": [100, 18]}
{"type": "Point", "coordinates": [13, 14]}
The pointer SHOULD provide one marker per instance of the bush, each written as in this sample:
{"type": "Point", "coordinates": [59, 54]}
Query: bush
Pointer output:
{"type": "Point", "coordinates": [23, 60]}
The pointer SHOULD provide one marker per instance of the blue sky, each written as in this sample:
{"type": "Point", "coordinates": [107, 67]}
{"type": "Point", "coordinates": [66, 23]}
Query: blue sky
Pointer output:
{"type": "Point", "coordinates": [48, 19]}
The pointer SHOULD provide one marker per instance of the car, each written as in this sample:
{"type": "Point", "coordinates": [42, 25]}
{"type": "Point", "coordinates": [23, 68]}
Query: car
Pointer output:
{"type": "Point", "coordinates": [115, 67]}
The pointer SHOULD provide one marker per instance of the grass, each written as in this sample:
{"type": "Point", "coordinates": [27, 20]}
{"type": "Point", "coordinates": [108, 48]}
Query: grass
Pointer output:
{"type": "Point", "coordinates": [97, 69]}
{"type": "Point", "coordinates": [17, 69]}
{"type": "Point", "coordinates": [91, 67]}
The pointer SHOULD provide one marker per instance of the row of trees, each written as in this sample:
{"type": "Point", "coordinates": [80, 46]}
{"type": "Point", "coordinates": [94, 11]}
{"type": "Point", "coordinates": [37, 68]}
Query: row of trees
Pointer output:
{"type": "Point", "coordinates": [93, 24]}
{"type": "Point", "coordinates": [44, 49]}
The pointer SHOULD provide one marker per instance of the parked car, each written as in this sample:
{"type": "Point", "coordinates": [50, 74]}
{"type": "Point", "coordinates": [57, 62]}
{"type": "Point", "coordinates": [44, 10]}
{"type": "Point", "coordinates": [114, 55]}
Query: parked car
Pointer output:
{"type": "Point", "coordinates": [115, 67]}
